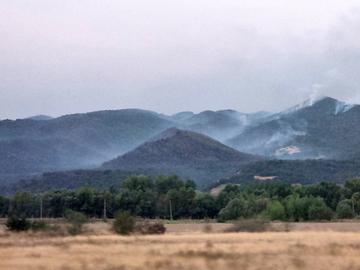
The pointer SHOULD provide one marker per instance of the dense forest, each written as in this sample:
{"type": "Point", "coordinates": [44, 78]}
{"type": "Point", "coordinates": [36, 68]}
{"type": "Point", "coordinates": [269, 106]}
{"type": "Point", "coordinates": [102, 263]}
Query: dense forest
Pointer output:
{"type": "Point", "coordinates": [298, 171]}
{"type": "Point", "coordinates": [170, 197]}
{"type": "Point", "coordinates": [72, 180]}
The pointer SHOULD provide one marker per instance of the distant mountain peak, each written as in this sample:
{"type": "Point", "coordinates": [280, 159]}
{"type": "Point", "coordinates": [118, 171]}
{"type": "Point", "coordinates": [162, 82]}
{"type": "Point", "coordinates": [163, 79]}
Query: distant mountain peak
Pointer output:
{"type": "Point", "coordinates": [186, 153]}
{"type": "Point", "coordinates": [308, 103]}
{"type": "Point", "coordinates": [324, 103]}
{"type": "Point", "coordinates": [333, 105]}
{"type": "Point", "coordinates": [324, 100]}
{"type": "Point", "coordinates": [170, 132]}
{"type": "Point", "coordinates": [184, 135]}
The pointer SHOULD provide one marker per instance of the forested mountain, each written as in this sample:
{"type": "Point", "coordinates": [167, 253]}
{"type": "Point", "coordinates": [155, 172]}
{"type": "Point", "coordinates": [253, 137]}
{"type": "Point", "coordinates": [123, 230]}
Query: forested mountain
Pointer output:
{"type": "Point", "coordinates": [185, 153]}
{"type": "Point", "coordinates": [74, 141]}
{"type": "Point", "coordinates": [326, 129]}
{"type": "Point", "coordinates": [323, 129]}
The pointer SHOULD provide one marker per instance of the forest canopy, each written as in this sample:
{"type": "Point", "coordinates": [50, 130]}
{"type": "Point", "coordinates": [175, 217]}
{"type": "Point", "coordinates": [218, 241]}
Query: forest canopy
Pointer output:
{"type": "Point", "coordinates": [171, 197]}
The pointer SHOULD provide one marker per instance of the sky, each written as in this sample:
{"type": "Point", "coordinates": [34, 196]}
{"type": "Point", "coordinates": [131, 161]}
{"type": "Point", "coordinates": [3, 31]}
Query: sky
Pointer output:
{"type": "Point", "coordinates": [66, 56]}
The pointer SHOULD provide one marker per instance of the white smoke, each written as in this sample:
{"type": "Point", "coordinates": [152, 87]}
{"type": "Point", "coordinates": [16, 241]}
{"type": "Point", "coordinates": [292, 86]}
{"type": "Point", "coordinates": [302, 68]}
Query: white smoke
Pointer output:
{"type": "Point", "coordinates": [342, 107]}
{"type": "Point", "coordinates": [317, 93]}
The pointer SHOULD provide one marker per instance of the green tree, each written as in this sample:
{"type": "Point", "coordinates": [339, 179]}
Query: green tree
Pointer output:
{"type": "Point", "coordinates": [297, 208]}
{"type": "Point", "coordinates": [318, 210]}
{"type": "Point", "coordinates": [276, 211]}
{"type": "Point", "coordinates": [182, 201]}
{"type": "Point", "coordinates": [229, 193]}
{"type": "Point", "coordinates": [138, 202]}
{"type": "Point", "coordinates": [353, 185]}
{"type": "Point", "coordinates": [23, 205]}
{"type": "Point", "coordinates": [235, 209]}
{"type": "Point", "coordinates": [355, 200]}
{"type": "Point", "coordinates": [204, 206]}
{"type": "Point", "coordinates": [56, 202]}
{"type": "Point", "coordinates": [86, 199]}
{"type": "Point", "coordinates": [344, 209]}
{"type": "Point", "coordinates": [330, 192]}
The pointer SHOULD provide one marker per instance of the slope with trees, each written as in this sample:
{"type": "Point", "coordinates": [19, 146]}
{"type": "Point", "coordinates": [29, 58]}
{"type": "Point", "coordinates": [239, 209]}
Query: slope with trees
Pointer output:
{"type": "Point", "coordinates": [185, 153]}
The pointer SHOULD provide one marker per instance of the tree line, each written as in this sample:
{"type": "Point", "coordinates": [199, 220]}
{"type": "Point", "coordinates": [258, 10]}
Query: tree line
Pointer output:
{"type": "Point", "coordinates": [170, 197]}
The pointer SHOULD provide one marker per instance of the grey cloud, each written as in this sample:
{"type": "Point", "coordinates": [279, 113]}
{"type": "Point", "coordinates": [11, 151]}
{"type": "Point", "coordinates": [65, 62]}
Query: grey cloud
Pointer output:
{"type": "Point", "coordinates": [75, 56]}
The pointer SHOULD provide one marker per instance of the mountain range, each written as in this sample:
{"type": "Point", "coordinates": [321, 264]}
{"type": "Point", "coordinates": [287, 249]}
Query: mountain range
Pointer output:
{"type": "Point", "coordinates": [204, 146]}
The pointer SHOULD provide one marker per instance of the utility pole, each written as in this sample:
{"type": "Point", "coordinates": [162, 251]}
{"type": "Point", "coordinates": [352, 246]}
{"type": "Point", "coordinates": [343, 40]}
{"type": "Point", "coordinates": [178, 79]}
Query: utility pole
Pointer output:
{"type": "Point", "coordinates": [353, 205]}
{"type": "Point", "coordinates": [170, 208]}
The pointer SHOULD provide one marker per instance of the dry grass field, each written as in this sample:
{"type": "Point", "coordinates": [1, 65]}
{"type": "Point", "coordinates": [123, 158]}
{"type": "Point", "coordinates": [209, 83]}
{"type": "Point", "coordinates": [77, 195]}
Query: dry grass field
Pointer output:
{"type": "Point", "coordinates": [181, 248]}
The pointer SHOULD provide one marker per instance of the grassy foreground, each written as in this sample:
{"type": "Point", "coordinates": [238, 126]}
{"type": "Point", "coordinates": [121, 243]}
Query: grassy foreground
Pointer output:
{"type": "Point", "coordinates": [185, 250]}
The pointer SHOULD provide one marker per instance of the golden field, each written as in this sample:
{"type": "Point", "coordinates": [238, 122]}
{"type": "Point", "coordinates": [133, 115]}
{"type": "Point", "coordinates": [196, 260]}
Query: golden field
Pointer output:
{"type": "Point", "coordinates": [181, 248]}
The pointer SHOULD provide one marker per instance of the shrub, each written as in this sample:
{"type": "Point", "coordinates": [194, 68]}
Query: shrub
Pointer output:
{"type": "Point", "coordinates": [39, 225]}
{"type": "Point", "coordinates": [234, 209]}
{"type": "Point", "coordinates": [207, 228]}
{"type": "Point", "coordinates": [150, 228]}
{"type": "Point", "coordinates": [124, 223]}
{"type": "Point", "coordinates": [249, 225]}
{"type": "Point", "coordinates": [344, 210]}
{"type": "Point", "coordinates": [276, 211]}
{"type": "Point", "coordinates": [18, 224]}
{"type": "Point", "coordinates": [76, 219]}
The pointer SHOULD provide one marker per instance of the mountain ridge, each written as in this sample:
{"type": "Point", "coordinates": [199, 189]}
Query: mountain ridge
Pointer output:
{"type": "Point", "coordinates": [315, 129]}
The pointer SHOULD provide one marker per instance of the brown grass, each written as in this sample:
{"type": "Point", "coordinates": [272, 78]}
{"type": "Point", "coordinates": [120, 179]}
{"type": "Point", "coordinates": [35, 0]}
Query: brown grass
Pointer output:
{"type": "Point", "coordinates": [182, 250]}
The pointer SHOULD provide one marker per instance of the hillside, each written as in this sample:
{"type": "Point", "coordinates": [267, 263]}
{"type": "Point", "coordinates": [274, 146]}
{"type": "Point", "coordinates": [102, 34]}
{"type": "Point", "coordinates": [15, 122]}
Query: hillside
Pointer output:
{"type": "Point", "coordinates": [324, 129]}
{"type": "Point", "coordinates": [67, 180]}
{"type": "Point", "coordinates": [185, 153]}
{"type": "Point", "coordinates": [297, 171]}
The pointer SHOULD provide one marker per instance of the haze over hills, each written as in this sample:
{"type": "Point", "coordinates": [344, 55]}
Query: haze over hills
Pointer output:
{"type": "Point", "coordinates": [74, 141]}
{"type": "Point", "coordinates": [220, 125]}
{"type": "Point", "coordinates": [322, 129]}
{"type": "Point", "coordinates": [185, 153]}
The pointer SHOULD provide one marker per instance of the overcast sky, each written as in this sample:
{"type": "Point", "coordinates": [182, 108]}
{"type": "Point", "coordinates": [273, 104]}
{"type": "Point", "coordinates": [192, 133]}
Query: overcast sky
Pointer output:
{"type": "Point", "coordinates": [66, 56]}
